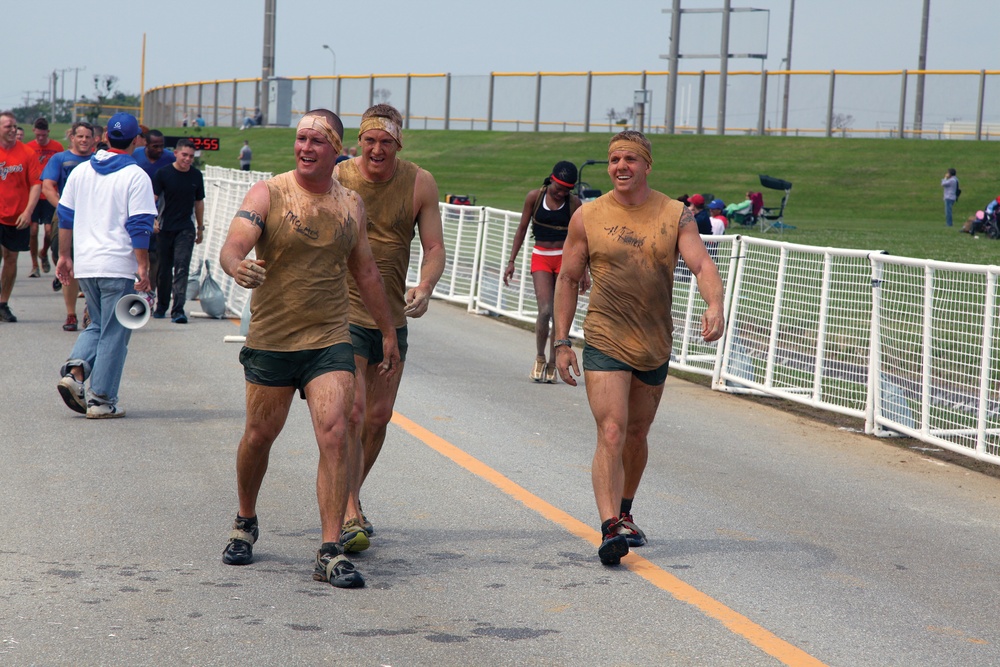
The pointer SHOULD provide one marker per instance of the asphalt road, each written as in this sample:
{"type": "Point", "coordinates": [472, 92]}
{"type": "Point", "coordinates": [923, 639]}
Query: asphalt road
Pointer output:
{"type": "Point", "coordinates": [773, 539]}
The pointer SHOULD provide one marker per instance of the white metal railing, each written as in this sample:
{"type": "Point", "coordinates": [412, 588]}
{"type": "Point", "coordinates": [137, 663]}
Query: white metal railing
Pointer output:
{"type": "Point", "coordinates": [910, 346]}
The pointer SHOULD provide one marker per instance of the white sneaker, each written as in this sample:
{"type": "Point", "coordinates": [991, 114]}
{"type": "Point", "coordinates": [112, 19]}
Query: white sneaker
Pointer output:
{"type": "Point", "coordinates": [73, 393]}
{"type": "Point", "coordinates": [104, 411]}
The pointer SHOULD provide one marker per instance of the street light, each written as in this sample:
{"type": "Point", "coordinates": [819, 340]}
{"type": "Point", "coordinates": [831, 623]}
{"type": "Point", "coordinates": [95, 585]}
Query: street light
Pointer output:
{"type": "Point", "coordinates": [334, 83]}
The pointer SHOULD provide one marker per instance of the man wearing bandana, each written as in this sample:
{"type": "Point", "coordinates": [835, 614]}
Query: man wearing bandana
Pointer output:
{"type": "Point", "coordinates": [308, 235]}
{"type": "Point", "coordinates": [400, 199]}
{"type": "Point", "coordinates": [631, 238]}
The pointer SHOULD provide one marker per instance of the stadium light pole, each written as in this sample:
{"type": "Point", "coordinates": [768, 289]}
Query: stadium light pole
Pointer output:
{"type": "Point", "coordinates": [333, 83]}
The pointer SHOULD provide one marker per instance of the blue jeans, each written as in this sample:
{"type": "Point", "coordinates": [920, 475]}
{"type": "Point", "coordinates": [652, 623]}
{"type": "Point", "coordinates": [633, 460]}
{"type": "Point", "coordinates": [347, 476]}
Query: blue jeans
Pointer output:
{"type": "Point", "coordinates": [948, 204]}
{"type": "Point", "coordinates": [101, 348]}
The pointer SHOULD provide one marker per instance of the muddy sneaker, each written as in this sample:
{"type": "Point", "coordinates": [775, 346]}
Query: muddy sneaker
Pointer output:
{"type": "Point", "coordinates": [632, 532]}
{"type": "Point", "coordinates": [104, 411]}
{"type": "Point", "coordinates": [73, 394]}
{"type": "Point", "coordinates": [538, 370]}
{"type": "Point", "coordinates": [333, 566]}
{"type": "Point", "coordinates": [354, 537]}
{"type": "Point", "coordinates": [5, 314]}
{"type": "Point", "coordinates": [614, 545]}
{"type": "Point", "coordinates": [239, 551]}
{"type": "Point", "coordinates": [551, 376]}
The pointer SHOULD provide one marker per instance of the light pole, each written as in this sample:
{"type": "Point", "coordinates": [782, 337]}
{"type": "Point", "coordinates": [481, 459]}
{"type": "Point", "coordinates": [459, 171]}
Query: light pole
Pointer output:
{"type": "Point", "coordinates": [333, 96]}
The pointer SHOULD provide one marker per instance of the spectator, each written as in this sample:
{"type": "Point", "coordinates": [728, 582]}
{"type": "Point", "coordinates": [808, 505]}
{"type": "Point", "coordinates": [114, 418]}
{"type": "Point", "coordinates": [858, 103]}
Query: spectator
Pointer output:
{"type": "Point", "coordinates": [182, 189]}
{"type": "Point", "coordinates": [696, 203]}
{"type": "Point", "coordinates": [19, 192]}
{"type": "Point", "coordinates": [950, 186]}
{"type": "Point", "coordinates": [719, 222]}
{"type": "Point", "coordinates": [44, 148]}
{"type": "Point", "coordinates": [105, 220]}
{"type": "Point", "coordinates": [54, 177]}
{"type": "Point", "coordinates": [245, 156]}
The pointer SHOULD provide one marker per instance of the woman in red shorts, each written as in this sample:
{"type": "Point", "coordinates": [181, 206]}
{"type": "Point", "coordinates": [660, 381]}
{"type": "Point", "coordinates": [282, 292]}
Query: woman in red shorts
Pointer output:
{"type": "Point", "coordinates": [548, 209]}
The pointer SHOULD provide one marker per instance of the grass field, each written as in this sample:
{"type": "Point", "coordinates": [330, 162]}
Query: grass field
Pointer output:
{"type": "Point", "coordinates": [848, 193]}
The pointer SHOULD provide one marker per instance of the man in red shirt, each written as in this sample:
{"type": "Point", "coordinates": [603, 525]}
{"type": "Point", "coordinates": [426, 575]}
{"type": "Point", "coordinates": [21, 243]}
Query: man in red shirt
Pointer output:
{"type": "Point", "coordinates": [20, 187]}
{"type": "Point", "coordinates": [44, 148]}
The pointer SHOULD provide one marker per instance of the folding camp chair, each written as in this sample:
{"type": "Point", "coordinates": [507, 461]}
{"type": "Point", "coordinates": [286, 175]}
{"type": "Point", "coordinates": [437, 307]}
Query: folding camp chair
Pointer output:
{"type": "Point", "coordinates": [771, 218]}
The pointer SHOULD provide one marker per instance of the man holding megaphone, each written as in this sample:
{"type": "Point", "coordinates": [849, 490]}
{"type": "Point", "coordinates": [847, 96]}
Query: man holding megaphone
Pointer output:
{"type": "Point", "coordinates": [106, 216]}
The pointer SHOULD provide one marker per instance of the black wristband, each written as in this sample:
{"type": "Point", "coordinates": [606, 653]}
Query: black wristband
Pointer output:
{"type": "Point", "coordinates": [563, 341]}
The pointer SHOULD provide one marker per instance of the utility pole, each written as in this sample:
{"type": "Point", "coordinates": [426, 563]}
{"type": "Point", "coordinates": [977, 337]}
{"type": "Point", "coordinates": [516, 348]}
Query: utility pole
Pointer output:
{"type": "Point", "coordinates": [267, 71]}
{"type": "Point", "coordinates": [673, 60]}
{"type": "Point", "coordinates": [788, 67]}
{"type": "Point", "coordinates": [724, 66]}
{"type": "Point", "coordinates": [52, 100]}
{"type": "Point", "coordinates": [918, 113]}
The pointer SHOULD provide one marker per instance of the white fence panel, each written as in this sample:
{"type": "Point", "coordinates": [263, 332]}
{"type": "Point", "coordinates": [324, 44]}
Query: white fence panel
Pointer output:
{"type": "Point", "coordinates": [937, 351]}
{"type": "Point", "coordinates": [799, 325]}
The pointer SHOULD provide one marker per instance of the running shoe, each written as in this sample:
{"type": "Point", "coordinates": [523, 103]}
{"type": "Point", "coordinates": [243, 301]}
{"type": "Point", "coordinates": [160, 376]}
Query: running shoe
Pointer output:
{"type": "Point", "coordinates": [613, 547]}
{"type": "Point", "coordinates": [44, 259]}
{"type": "Point", "coordinates": [538, 370]}
{"type": "Point", "coordinates": [56, 284]}
{"type": "Point", "coordinates": [632, 532]}
{"type": "Point", "coordinates": [354, 537]}
{"type": "Point", "coordinates": [239, 551]}
{"type": "Point", "coordinates": [333, 566]}
{"type": "Point", "coordinates": [550, 373]}
{"type": "Point", "coordinates": [71, 323]}
{"type": "Point", "coordinates": [35, 273]}
{"type": "Point", "coordinates": [180, 318]}
{"type": "Point", "coordinates": [6, 315]}
{"type": "Point", "coordinates": [73, 393]}
{"type": "Point", "coordinates": [104, 410]}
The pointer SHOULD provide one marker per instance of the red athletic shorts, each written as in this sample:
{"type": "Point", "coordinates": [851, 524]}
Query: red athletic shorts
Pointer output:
{"type": "Point", "coordinates": [546, 259]}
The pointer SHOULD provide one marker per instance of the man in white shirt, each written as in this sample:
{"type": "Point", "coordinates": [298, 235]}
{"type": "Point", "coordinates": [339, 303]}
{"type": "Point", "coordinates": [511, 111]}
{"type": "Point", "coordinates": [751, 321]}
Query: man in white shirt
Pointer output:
{"type": "Point", "coordinates": [106, 216]}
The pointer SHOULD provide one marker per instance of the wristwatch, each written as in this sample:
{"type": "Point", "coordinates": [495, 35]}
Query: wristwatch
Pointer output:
{"type": "Point", "coordinates": [564, 341]}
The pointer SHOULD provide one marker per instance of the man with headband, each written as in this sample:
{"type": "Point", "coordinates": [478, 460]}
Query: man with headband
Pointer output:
{"type": "Point", "coordinates": [308, 234]}
{"type": "Point", "coordinates": [630, 237]}
{"type": "Point", "coordinates": [400, 198]}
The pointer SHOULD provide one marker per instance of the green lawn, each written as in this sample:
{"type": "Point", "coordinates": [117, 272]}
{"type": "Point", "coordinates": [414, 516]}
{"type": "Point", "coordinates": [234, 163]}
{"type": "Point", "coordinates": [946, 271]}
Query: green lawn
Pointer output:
{"type": "Point", "coordinates": [848, 193]}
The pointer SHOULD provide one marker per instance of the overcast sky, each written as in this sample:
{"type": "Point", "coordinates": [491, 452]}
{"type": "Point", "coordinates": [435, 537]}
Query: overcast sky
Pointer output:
{"type": "Point", "coordinates": [204, 40]}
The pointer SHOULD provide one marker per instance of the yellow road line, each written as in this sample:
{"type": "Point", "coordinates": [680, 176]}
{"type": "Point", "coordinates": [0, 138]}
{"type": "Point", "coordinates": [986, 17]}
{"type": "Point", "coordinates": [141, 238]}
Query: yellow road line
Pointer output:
{"type": "Point", "coordinates": [760, 637]}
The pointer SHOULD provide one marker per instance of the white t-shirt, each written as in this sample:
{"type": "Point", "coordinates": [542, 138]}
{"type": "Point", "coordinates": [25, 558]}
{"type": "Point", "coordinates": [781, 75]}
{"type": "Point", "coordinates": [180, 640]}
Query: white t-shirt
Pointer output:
{"type": "Point", "coordinates": [718, 225]}
{"type": "Point", "coordinates": [102, 203]}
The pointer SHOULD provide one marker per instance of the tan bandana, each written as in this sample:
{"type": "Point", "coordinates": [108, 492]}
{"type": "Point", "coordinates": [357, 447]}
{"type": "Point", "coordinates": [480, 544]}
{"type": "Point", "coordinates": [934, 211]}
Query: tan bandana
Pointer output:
{"type": "Point", "coordinates": [635, 147]}
{"type": "Point", "coordinates": [321, 125]}
{"type": "Point", "coordinates": [381, 123]}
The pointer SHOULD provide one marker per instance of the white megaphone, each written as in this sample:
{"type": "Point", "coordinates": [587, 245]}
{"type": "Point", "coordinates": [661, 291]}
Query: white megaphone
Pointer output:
{"type": "Point", "coordinates": [133, 310]}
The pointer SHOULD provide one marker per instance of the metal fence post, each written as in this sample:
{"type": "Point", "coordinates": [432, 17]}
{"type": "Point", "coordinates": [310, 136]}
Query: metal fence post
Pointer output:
{"type": "Point", "coordinates": [979, 105]}
{"type": "Point", "coordinates": [215, 105]}
{"type": "Point", "coordinates": [489, 104]}
{"type": "Point", "coordinates": [234, 102]}
{"type": "Point", "coordinates": [829, 105]}
{"type": "Point", "coordinates": [538, 98]}
{"type": "Point", "coordinates": [902, 107]}
{"type": "Point", "coordinates": [309, 93]}
{"type": "Point", "coordinates": [447, 101]}
{"type": "Point", "coordinates": [586, 110]}
{"type": "Point", "coordinates": [701, 102]}
{"type": "Point", "coordinates": [408, 90]}
{"type": "Point", "coordinates": [763, 102]}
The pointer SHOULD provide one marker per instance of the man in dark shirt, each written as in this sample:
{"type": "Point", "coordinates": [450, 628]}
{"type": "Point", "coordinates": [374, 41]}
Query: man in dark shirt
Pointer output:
{"type": "Point", "coordinates": [183, 191]}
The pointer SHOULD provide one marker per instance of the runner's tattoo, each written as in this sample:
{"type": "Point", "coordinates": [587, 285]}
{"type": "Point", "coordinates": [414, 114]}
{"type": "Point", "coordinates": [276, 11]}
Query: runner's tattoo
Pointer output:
{"type": "Point", "coordinates": [686, 218]}
{"type": "Point", "coordinates": [252, 216]}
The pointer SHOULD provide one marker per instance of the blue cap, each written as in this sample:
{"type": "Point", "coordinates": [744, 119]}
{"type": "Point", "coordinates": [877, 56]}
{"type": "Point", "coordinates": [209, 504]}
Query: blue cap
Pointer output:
{"type": "Point", "coordinates": [716, 203]}
{"type": "Point", "coordinates": [123, 127]}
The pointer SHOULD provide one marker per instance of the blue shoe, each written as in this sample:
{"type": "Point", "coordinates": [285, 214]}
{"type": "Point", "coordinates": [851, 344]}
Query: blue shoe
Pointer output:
{"type": "Point", "coordinates": [157, 315]}
{"type": "Point", "coordinates": [179, 319]}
